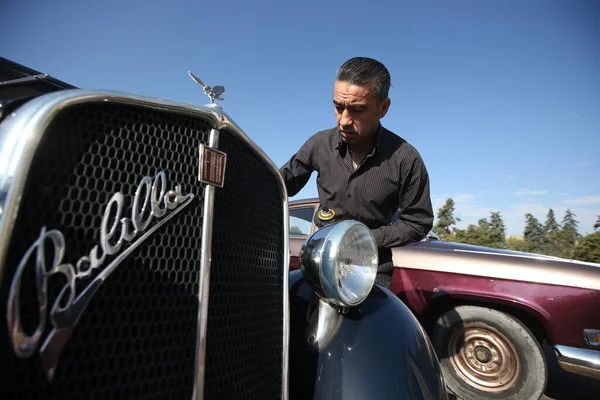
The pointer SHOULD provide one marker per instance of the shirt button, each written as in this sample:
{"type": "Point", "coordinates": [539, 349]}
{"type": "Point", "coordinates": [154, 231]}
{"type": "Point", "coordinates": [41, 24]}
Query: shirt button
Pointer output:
{"type": "Point", "coordinates": [349, 195]}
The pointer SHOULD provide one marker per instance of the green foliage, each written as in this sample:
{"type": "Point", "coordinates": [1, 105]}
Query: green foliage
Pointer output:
{"type": "Point", "coordinates": [497, 235]}
{"type": "Point", "coordinates": [551, 238]}
{"type": "Point", "coordinates": [552, 229]}
{"type": "Point", "coordinates": [445, 219]}
{"type": "Point", "coordinates": [567, 238]}
{"type": "Point", "coordinates": [588, 249]}
{"type": "Point", "coordinates": [516, 244]}
{"type": "Point", "coordinates": [296, 230]}
{"type": "Point", "coordinates": [474, 234]}
{"type": "Point", "coordinates": [551, 226]}
{"type": "Point", "coordinates": [490, 234]}
{"type": "Point", "coordinates": [534, 235]}
{"type": "Point", "coordinates": [569, 222]}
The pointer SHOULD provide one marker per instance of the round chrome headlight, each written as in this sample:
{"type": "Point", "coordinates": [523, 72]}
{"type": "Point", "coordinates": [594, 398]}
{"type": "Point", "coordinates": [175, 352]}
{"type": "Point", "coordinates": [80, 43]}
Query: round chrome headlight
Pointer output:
{"type": "Point", "coordinates": [340, 262]}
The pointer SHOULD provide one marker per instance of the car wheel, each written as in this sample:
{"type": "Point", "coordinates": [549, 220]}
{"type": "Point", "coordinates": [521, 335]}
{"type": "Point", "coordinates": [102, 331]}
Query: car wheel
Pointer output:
{"type": "Point", "coordinates": [487, 354]}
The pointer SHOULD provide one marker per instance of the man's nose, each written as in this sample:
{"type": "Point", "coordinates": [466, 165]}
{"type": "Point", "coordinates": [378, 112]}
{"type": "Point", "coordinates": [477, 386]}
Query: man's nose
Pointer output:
{"type": "Point", "coordinates": [345, 119]}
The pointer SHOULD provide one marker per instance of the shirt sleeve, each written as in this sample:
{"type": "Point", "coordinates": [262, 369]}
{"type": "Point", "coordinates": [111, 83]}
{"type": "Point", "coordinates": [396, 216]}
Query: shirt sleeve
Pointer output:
{"type": "Point", "coordinates": [416, 212]}
{"type": "Point", "coordinates": [296, 172]}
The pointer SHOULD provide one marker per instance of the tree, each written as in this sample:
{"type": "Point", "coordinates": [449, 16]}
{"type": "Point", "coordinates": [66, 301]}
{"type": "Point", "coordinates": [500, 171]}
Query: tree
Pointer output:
{"type": "Point", "coordinates": [516, 244]}
{"type": "Point", "coordinates": [597, 224]}
{"type": "Point", "coordinates": [551, 226]}
{"type": "Point", "coordinates": [570, 224]}
{"type": "Point", "coordinates": [552, 229]}
{"type": "Point", "coordinates": [568, 236]}
{"type": "Point", "coordinates": [497, 234]}
{"type": "Point", "coordinates": [588, 249]}
{"type": "Point", "coordinates": [489, 234]}
{"type": "Point", "coordinates": [474, 234]}
{"type": "Point", "coordinates": [445, 220]}
{"type": "Point", "coordinates": [534, 235]}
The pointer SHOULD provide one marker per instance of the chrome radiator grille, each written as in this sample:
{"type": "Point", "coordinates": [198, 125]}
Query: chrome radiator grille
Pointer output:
{"type": "Point", "coordinates": [244, 343]}
{"type": "Point", "coordinates": [137, 336]}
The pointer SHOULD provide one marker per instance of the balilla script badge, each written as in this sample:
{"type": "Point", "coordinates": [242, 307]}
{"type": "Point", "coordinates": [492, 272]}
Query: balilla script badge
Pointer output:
{"type": "Point", "coordinates": [151, 201]}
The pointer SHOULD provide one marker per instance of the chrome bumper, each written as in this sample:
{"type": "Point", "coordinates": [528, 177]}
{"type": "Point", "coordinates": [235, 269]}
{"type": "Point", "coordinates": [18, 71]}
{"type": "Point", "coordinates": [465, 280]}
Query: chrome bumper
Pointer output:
{"type": "Point", "coordinates": [579, 361]}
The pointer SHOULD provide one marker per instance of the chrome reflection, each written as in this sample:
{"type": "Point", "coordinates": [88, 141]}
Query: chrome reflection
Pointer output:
{"type": "Point", "coordinates": [324, 322]}
{"type": "Point", "coordinates": [151, 202]}
{"type": "Point", "coordinates": [209, 200]}
{"type": "Point", "coordinates": [582, 357]}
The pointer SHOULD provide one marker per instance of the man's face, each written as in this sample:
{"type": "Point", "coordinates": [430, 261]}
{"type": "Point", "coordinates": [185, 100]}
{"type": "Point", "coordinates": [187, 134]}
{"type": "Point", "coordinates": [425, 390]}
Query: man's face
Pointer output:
{"type": "Point", "coordinates": [357, 112]}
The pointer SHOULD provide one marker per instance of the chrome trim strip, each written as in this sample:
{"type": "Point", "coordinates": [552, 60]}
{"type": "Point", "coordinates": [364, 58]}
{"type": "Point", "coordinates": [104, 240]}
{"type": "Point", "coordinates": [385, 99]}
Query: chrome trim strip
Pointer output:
{"type": "Point", "coordinates": [25, 79]}
{"type": "Point", "coordinates": [22, 130]}
{"type": "Point", "coordinates": [209, 200]}
{"type": "Point", "coordinates": [576, 356]}
{"type": "Point", "coordinates": [229, 124]}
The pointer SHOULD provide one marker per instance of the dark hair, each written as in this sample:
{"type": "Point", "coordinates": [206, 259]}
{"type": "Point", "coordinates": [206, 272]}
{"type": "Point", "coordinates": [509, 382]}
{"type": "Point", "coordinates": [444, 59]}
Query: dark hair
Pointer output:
{"type": "Point", "coordinates": [362, 71]}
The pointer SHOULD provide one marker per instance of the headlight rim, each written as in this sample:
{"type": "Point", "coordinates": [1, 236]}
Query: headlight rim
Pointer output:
{"type": "Point", "coordinates": [322, 250]}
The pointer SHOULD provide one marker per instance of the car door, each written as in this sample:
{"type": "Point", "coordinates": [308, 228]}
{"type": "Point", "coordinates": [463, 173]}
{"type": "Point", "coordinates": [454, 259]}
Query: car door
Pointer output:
{"type": "Point", "coordinates": [301, 226]}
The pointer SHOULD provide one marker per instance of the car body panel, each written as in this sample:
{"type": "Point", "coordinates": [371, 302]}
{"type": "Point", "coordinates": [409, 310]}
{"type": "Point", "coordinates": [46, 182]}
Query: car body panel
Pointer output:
{"type": "Point", "coordinates": [497, 263]}
{"type": "Point", "coordinates": [358, 361]}
{"type": "Point", "coordinates": [556, 308]}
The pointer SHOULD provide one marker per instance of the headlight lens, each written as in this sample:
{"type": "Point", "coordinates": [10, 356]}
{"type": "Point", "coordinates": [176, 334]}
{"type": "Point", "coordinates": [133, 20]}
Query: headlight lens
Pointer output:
{"type": "Point", "coordinates": [340, 261]}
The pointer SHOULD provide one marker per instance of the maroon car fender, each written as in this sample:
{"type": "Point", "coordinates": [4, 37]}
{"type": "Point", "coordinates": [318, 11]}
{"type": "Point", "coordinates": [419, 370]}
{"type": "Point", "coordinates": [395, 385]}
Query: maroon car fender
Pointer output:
{"type": "Point", "coordinates": [541, 315]}
{"type": "Point", "coordinates": [563, 312]}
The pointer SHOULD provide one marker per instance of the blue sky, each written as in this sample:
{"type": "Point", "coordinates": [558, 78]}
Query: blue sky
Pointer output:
{"type": "Point", "coordinates": [501, 98]}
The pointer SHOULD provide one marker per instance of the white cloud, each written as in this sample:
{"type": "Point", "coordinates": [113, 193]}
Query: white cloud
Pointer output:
{"type": "Point", "coordinates": [529, 192]}
{"type": "Point", "coordinates": [582, 201]}
{"type": "Point", "coordinates": [463, 198]}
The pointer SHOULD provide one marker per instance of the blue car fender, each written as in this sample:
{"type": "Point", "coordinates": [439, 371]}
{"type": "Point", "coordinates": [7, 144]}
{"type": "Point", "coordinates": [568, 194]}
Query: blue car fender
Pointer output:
{"type": "Point", "coordinates": [377, 350]}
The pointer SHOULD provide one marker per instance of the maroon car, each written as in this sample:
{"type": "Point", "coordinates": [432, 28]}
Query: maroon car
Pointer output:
{"type": "Point", "coordinates": [488, 310]}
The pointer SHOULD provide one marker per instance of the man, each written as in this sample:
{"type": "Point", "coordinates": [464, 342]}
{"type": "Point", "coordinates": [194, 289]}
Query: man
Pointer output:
{"type": "Point", "coordinates": [366, 172]}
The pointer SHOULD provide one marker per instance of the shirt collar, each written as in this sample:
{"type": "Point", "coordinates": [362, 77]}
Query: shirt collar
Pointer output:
{"type": "Point", "coordinates": [339, 144]}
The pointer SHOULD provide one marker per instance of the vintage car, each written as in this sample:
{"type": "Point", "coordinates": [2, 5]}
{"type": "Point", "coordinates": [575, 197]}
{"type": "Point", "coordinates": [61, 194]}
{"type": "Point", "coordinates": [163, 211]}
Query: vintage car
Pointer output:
{"type": "Point", "coordinates": [144, 253]}
{"type": "Point", "coordinates": [488, 311]}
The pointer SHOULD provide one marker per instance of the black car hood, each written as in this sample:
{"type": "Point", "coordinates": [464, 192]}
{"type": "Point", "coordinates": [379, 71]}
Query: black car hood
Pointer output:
{"type": "Point", "coordinates": [19, 84]}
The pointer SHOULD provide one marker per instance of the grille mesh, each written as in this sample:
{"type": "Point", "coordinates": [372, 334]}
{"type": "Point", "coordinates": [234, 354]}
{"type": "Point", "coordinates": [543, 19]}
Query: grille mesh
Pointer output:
{"type": "Point", "coordinates": [244, 343]}
{"type": "Point", "coordinates": [137, 337]}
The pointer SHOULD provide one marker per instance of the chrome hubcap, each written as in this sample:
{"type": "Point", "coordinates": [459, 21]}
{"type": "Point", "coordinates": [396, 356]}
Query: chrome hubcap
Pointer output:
{"type": "Point", "coordinates": [484, 358]}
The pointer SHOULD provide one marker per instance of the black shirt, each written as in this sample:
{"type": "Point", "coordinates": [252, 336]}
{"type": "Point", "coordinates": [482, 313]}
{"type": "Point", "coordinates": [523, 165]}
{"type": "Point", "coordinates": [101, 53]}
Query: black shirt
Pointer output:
{"type": "Point", "coordinates": [393, 176]}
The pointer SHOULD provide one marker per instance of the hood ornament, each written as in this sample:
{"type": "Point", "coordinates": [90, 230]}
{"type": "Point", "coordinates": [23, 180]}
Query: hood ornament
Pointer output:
{"type": "Point", "coordinates": [213, 93]}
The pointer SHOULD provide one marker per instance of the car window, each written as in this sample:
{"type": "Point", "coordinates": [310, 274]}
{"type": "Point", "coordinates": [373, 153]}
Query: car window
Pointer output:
{"type": "Point", "coordinates": [301, 220]}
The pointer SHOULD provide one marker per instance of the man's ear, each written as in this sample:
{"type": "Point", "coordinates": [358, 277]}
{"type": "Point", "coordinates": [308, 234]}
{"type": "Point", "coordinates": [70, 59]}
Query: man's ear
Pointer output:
{"type": "Point", "coordinates": [384, 107]}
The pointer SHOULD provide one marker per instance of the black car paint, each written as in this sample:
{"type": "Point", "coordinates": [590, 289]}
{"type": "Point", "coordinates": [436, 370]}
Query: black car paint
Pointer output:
{"type": "Point", "coordinates": [379, 351]}
{"type": "Point", "coordinates": [15, 91]}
